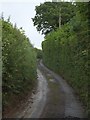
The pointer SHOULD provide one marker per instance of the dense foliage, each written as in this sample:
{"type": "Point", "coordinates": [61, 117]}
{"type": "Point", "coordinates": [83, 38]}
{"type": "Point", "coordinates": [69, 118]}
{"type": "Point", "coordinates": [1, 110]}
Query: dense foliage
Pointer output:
{"type": "Point", "coordinates": [19, 62]}
{"type": "Point", "coordinates": [47, 15]}
{"type": "Point", "coordinates": [38, 53]}
{"type": "Point", "coordinates": [66, 51]}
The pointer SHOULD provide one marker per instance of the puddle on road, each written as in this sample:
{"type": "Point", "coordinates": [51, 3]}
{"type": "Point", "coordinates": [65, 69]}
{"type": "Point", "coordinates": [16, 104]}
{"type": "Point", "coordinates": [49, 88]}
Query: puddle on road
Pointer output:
{"type": "Point", "coordinates": [52, 80]}
{"type": "Point", "coordinates": [49, 75]}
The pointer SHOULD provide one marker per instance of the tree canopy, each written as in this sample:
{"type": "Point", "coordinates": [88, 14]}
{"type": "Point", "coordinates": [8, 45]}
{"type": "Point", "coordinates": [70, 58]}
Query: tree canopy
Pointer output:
{"type": "Point", "coordinates": [48, 13]}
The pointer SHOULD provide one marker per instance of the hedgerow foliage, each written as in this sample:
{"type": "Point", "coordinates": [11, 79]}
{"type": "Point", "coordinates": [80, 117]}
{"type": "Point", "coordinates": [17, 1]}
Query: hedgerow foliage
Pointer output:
{"type": "Point", "coordinates": [19, 62]}
{"type": "Point", "coordinates": [66, 51]}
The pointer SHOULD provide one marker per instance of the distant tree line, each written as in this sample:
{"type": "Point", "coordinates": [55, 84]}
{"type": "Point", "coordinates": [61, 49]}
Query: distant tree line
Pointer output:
{"type": "Point", "coordinates": [38, 53]}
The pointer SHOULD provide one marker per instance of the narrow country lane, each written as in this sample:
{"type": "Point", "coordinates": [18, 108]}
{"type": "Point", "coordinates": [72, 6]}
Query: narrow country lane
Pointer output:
{"type": "Point", "coordinates": [44, 60]}
{"type": "Point", "coordinates": [61, 101]}
{"type": "Point", "coordinates": [54, 98]}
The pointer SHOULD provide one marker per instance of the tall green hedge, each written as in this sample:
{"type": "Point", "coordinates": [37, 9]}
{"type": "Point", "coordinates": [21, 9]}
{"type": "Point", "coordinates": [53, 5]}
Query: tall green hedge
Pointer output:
{"type": "Point", "coordinates": [65, 51]}
{"type": "Point", "coordinates": [19, 62]}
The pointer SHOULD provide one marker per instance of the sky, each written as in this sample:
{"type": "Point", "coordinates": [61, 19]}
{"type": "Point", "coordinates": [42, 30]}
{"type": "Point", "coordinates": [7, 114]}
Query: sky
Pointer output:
{"type": "Point", "coordinates": [21, 12]}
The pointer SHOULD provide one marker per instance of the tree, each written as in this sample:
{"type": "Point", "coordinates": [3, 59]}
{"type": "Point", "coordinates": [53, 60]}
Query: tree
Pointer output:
{"type": "Point", "coordinates": [47, 15]}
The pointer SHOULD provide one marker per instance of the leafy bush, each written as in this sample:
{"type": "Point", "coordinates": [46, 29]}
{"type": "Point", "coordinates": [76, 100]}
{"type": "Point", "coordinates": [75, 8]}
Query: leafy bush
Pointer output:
{"type": "Point", "coordinates": [19, 62]}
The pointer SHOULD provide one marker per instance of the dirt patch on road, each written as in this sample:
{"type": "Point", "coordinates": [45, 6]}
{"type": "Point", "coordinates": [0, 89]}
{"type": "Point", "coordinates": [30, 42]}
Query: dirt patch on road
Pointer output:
{"type": "Point", "coordinates": [55, 102]}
